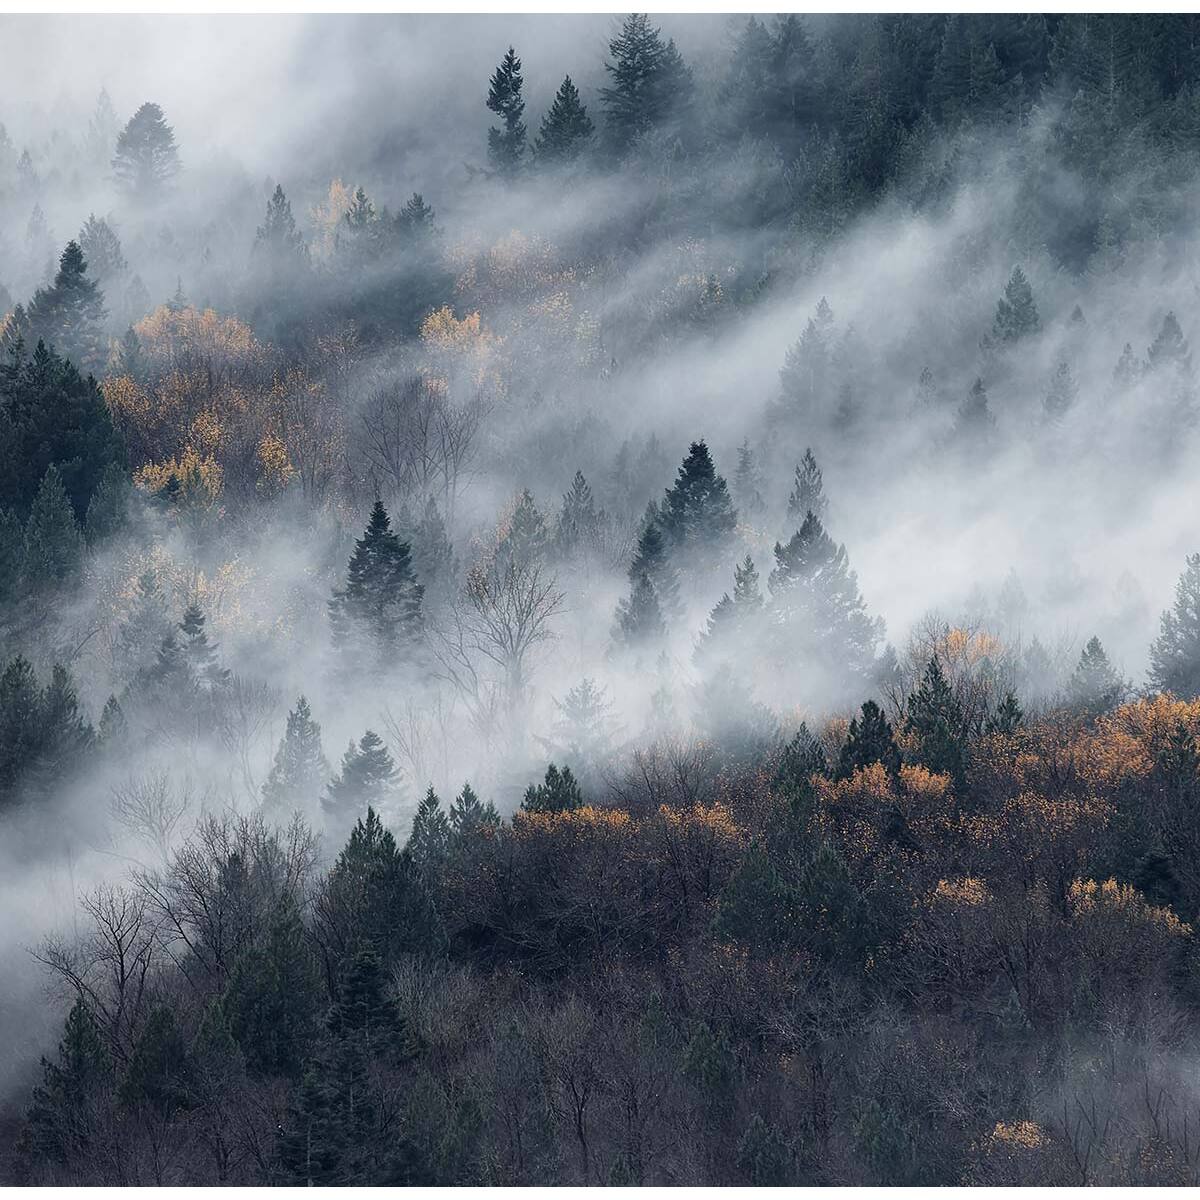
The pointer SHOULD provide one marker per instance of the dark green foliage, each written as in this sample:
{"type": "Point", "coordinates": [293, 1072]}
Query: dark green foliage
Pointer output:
{"type": "Point", "coordinates": [53, 544]}
{"type": "Point", "coordinates": [433, 555]}
{"type": "Point", "coordinates": [506, 146]}
{"type": "Point", "coordinates": [109, 508]}
{"type": "Point", "coordinates": [300, 770]}
{"type": "Point", "coordinates": [697, 517]}
{"type": "Point", "coordinates": [974, 425]}
{"type": "Point", "coordinates": [802, 757]}
{"type": "Point", "coordinates": [273, 998]}
{"type": "Point", "coordinates": [1007, 718]}
{"type": "Point", "coordinates": [102, 250]}
{"type": "Point", "coordinates": [763, 1155]}
{"type": "Point", "coordinates": [1016, 314]}
{"type": "Point", "coordinates": [69, 315]}
{"type": "Point", "coordinates": [579, 521]}
{"type": "Point", "coordinates": [566, 127]}
{"type": "Point", "coordinates": [1095, 687]}
{"type": "Point", "coordinates": [378, 613]}
{"type": "Point", "coordinates": [808, 494]}
{"type": "Point", "coordinates": [558, 793]}
{"type": "Point", "coordinates": [50, 416]}
{"type": "Point", "coordinates": [311, 1139]}
{"type": "Point", "coordinates": [1175, 654]}
{"type": "Point", "coordinates": [368, 779]}
{"type": "Point", "coordinates": [146, 158]}
{"type": "Point", "coordinates": [429, 840]}
{"type": "Point", "coordinates": [159, 1074]}
{"type": "Point", "coordinates": [732, 615]}
{"type": "Point", "coordinates": [869, 741]}
{"type": "Point", "coordinates": [469, 816]}
{"type": "Point", "coordinates": [525, 539]}
{"type": "Point", "coordinates": [650, 86]}
{"type": "Point", "coordinates": [748, 483]}
{"type": "Point", "coordinates": [935, 719]}
{"type": "Point", "coordinates": [654, 589]}
{"type": "Point", "coordinates": [277, 240]}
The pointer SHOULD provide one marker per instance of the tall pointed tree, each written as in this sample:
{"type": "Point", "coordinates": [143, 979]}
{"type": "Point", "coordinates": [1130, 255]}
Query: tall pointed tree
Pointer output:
{"type": "Point", "coordinates": [506, 146]}
{"type": "Point", "coordinates": [146, 158]}
{"type": "Point", "coordinates": [566, 127]}
{"type": "Point", "coordinates": [1175, 654]}
{"type": "Point", "coordinates": [368, 779]}
{"type": "Point", "coordinates": [300, 770]}
{"type": "Point", "coordinates": [1016, 313]}
{"type": "Point", "coordinates": [697, 517]}
{"type": "Point", "coordinates": [808, 494]}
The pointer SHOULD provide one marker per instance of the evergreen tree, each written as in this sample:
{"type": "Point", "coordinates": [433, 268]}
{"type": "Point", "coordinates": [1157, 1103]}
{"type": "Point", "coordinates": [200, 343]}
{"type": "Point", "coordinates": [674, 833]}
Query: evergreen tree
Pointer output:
{"type": "Point", "coordinates": [69, 315]}
{"type": "Point", "coordinates": [805, 379]}
{"type": "Point", "coordinates": [579, 522]}
{"type": "Point", "coordinates": [583, 726]}
{"type": "Point", "coordinates": [198, 655]}
{"type": "Point", "coordinates": [53, 545]}
{"type": "Point", "coordinates": [819, 621]}
{"type": "Point", "coordinates": [566, 127]}
{"type": "Point", "coordinates": [272, 1000]}
{"type": "Point", "coordinates": [379, 610]}
{"type": "Point", "coordinates": [935, 720]}
{"type": "Point", "coordinates": [415, 221]}
{"type": "Point", "coordinates": [429, 840]}
{"type": "Point", "coordinates": [113, 729]}
{"type": "Point", "coordinates": [1095, 687]}
{"type": "Point", "coordinates": [506, 146]}
{"type": "Point", "coordinates": [640, 617]}
{"type": "Point", "coordinates": [277, 240]}
{"type": "Point", "coordinates": [108, 509]}
{"type": "Point", "coordinates": [20, 723]}
{"type": "Point", "coordinates": [747, 483]}
{"type": "Point", "coordinates": [128, 358]}
{"type": "Point", "coordinates": [1061, 394]}
{"type": "Point", "coordinates": [732, 615]}
{"type": "Point", "coordinates": [300, 770]}
{"type": "Point", "coordinates": [525, 539]}
{"type": "Point", "coordinates": [101, 249]}
{"type": "Point", "coordinates": [433, 555]}
{"type": "Point", "coordinates": [146, 158]}
{"type": "Point", "coordinates": [697, 517]}
{"type": "Point", "coordinates": [1169, 349]}
{"type": "Point", "coordinates": [802, 757]}
{"type": "Point", "coordinates": [974, 425]}
{"type": "Point", "coordinates": [869, 741]}
{"type": "Point", "coordinates": [368, 779]}
{"type": "Point", "coordinates": [1016, 314]}
{"type": "Point", "coordinates": [311, 1139]}
{"type": "Point", "coordinates": [1008, 716]}
{"type": "Point", "coordinates": [157, 1079]}
{"type": "Point", "coordinates": [808, 495]}
{"type": "Point", "coordinates": [1175, 654]}
{"type": "Point", "coordinates": [558, 793]}
{"type": "Point", "coordinates": [469, 816]}
{"type": "Point", "coordinates": [650, 84]}
{"type": "Point", "coordinates": [12, 554]}
{"type": "Point", "coordinates": [141, 634]}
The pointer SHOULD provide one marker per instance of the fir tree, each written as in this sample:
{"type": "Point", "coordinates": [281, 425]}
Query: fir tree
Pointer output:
{"type": "Point", "coordinates": [805, 378]}
{"type": "Point", "coordinates": [583, 726]}
{"type": "Point", "coordinates": [639, 621]}
{"type": "Point", "coordinates": [429, 840]}
{"type": "Point", "coordinates": [101, 250]}
{"type": "Point", "coordinates": [311, 1139]}
{"type": "Point", "coordinates": [53, 544]}
{"type": "Point", "coordinates": [802, 757]}
{"type": "Point", "coordinates": [379, 610]}
{"type": "Point", "coordinates": [566, 127]}
{"type": "Point", "coordinates": [506, 146]}
{"type": "Point", "coordinates": [697, 517]}
{"type": "Point", "coordinates": [1175, 654]}
{"type": "Point", "coordinates": [747, 482]}
{"type": "Point", "coordinates": [69, 315]}
{"type": "Point", "coordinates": [650, 84]}
{"type": "Point", "coordinates": [198, 655]}
{"type": "Point", "coordinates": [869, 741]}
{"type": "Point", "coordinates": [278, 241]}
{"type": "Point", "coordinates": [935, 720]}
{"type": "Point", "coordinates": [146, 158]}
{"type": "Point", "coordinates": [300, 770]}
{"type": "Point", "coordinates": [1016, 314]}
{"type": "Point", "coordinates": [1008, 716]}
{"type": "Point", "coordinates": [12, 554]}
{"type": "Point", "coordinates": [433, 555]}
{"type": "Point", "coordinates": [20, 723]}
{"type": "Point", "coordinates": [1169, 349]}
{"type": "Point", "coordinates": [415, 221]}
{"type": "Point", "coordinates": [525, 539]}
{"type": "Point", "coordinates": [1095, 687]}
{"type": "Point", "coordinates": [1061, 394]}
{"type": "Point", "coordinates": [974, 425]}
{"type": "Point", "coordinates": [469, 816]}
{"type": "Point", "coordinates": [141, 634]}
{"type": "Point", "coordinates": [732, 615]}
{"type": "Point", "coordinates": [579, 522]}
{"type": "Point", "coordinates": [368, 779]}
{"type": "Point", "coordinates": [159, 1069]}
{"type": "Point", "coordinates": [808, 494]}
{"type": "Point", "coordinates": [557, 793]}
{"type": "Point", "coordinates": [108, 509]}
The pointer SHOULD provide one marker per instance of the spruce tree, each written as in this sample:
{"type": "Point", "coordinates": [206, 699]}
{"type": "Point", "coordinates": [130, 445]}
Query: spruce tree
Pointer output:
{"type": "Point", "coordinates": [20, 724]}
{"type": "Point", "coordinates": [748, 483]}
{"type": "Point", "coordinates": [368, 779]}
{"type": "Point", "coordinates": [278, 241]}
{"type": "Point", "coordinates": [1061, 394]}
{"type": "Point", "coordinates": [808, 495]}
{"type": "Point", "coordinates": [806, 377]}
{"type": "Point", "coordinates": [640, 620]}
{"type": "Point", "coordinates": [579, 522]}
{"type": "Point", "coordinates": [429, 840]}
{"type": "Point", "coordinates": [53, 553]}
{"type": "Point", "coordinates": [935, 720]}
{"type": "Point", "coordinates": [1169, 349]}
{"type": "Point", "coordinates": [1095, 687]}
{"type": "Point", "coordinates": [732, 615]}
{"type": "Point", "coordinates": [819, 621]}
{"type": "Point", "coordinates": [146, 158]}
{"type": "Point", "coordinates": [469, 816]}
{"type": "Point", "coordinates": [1175, 654]}
{"type": "Point", "coordinates": [12, 554]}
{"type": "Point", "coordinates": [974, 425]}
{"type": "Point", "coordinates": [141, 634]}
{"type": "Point", "coordinates": [697, 517]}
{"type": "Point", "coordinates": [802, 757]}
{"type": "Point", "coordinates": [1016, 314]}
{"type": "Point", "coordinates": [556, 794]}
{"type": "Point", "coordinates": [312, 1141]}
{"type": "Point", "coordinates": [198, 655]}
{"type": "Point", "coordinates": [108, 509]}
{"type": "Point", "coordinates": [378, 612]}
{"type": "Point", "coordinates": [69, 315]}
{"type": "Point", "coordinates": [583, 726]}
{"type": "Point", "coordinates": [868, 741]}
{"type": "Point", "coordinates": [650, 84]}
{"type": "Point", "coordinates": [159, 1072]}
{"type": "Point", "coordinates": [300, 770]}
{"type": "Point", "coordinates": [433, 555]}
{"type": "Point", "coordinates": [415, 221]}
{"type": "Point", "coordinates": [101, 249]}
{"type": "Point", "coordinates": [525, 539]}
{"type": "Point", "coordinates": [1007, 717]}
{"type": "Point", "coordinates": [566, 127]}
{"type": "Point", "coordinates": [506, 146]}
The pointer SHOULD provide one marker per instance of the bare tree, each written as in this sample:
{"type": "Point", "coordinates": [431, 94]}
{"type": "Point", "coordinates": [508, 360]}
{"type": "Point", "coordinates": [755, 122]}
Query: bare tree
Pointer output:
{"type": "Point", "coordinates": [151, 809]}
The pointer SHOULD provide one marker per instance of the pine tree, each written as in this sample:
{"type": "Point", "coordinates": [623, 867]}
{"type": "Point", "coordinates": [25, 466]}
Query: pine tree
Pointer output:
{"type": "Point", "coordinates": [802, 757]}
{"type": "Point", "coordinates": [273, 997]}
{"type": "Point", "coordinates": [129, 359]}
{"type": "Point", "coordinates": [820, 623]}
{"type": "Point", "coordinates": [113, 730]}
{"type": "Point", "coordinates": [368, 779]}
{"type": "Point", "coordinates": [311, 1139]}
{"type": "Point", "coordinates": [12, 554]}
{"type": "Point", "coordinates": [583, 726]}
{"type": "Point", "coordinates": [198, 655]}
{"type": "Point", "coordinates": [748, 483]}
{"type": "Point", "coordinates": [869, 741]}
{"type": "Point", "coordinates": [146, 158]}
{"type": "Point", "coordinates": [557, 793]}
{"type": "Point", "coordinates": [1007, 717]}
{"type": "Point", "coordinates": [935, 720]}
{"type": "Point", "coordinates": [469, 816]}
{"type": "Point", "coordinates": [1016, 314]}
{"type": "Point", "coordinates": [506, 147]}
{"type": "Point", "coordinates": [808, 495]}
{"type": "Point", "coordinates": [1061, 394]}
{"type": "Point", "coordinates": [525, 539]}
{"type": "Point", "coordinates": [805, 379]}
{"type": "Point", "coordinates": [579, 523]}
{"type": "Point", "coordinates": [278, 242]}
{"type": "Point", "coordinates": [379, 610]}
{"type": "Point", "coordinates": [69, 315]}
{"type": "Point", "coordinates": [566, 127]}
{"type": "Point", "coordinates": [300, 770]}
{"type": "Point", "coordinates": [1095, 687]}
{"type": "Point", "coordinates": [102, 130]}
{"type": "Point", "coordinates": [1169, 349]}
{"type": "Point", "coordinates": [429, 839]}
{"type": "Point", "coordinates": [974, 425]}
{"type": "Point", "coordinates": [415, 221]}
{"type": "Point", "coordinates": [53, 545]}
{"type": "Point", "coordinates": [102, 250]}
{"type": "Point", "coordinates": [159, 1068]}
{"type": "Point", "coordinates": [141, 634]}
{"type": "Point", "coordinates": [433, 555]}
{"type": "Point", "coordinates": [651, 85]}
{"type": "Point", "coordinates": [639, 621]}
{"type": "Point", "coordinates": [1175, 654]}
{"type": "Point", "coordinates": [20, 724]}
{"type": "Point", "coordinates": [108, 509]}
{"type": "Point", "coordinates": [732, 615]}
{"type": "Point", "coordinates": [697, 516]}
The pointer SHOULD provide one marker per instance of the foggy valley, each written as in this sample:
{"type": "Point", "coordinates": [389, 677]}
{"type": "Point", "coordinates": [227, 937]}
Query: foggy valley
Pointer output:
{"type": "Point", "coordinates": [599, 600]}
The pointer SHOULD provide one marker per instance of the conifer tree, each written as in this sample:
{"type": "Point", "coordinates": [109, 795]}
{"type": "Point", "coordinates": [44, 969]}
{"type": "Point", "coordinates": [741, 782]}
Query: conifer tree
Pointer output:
{"type": "Point", "coordinates": [806, 377]}
{"type": "Point", "coordinates": [802, 757]}
{"type": "Point", "coordinates": [108, 509]}
{"type": "Point", "coordinates": [415, 221]}
{"type": "Point", "coordinates": [1169, 349]}
{"type": "Point", "coordinates": [20, 723]}
{"type": "Point", "coordinates": [277, 241]}
{"type": "Point", "coordinates": [69, 315]}
{"type": "Point", "coordinates": [300, 770]}
{"type": "Point", "coordinates": [1007, 717]}
{"type": "Point", "coordinates": [159, 1069]}
{"type": "Point", "coordinates": [650, 84]}
{"type": "Point", "coordinates": [141, 634]}
{"type": "Point", "coordinates": [579, 522]}
{"type": "Point", "coordinates": [429, 841]}
{"type": "Point", "coordinates": [808, 495]}
{"type": "Point", "coordinates": [1061, 394]}
{"type": "Point", "coordinates": [53, 544]}
{"type": "Point", "coordinates": [525, 539]}
{"type": "Point", "coordinates": [1095, 687]}
{"type": "Point", "coordinates": [583, 726]}
{"type": "Point", "coordinates": [198, 655]}
{"type": "Point", "coordinates": [368, 779]}
{"type": "Point", "coordinates": [101, 250]}
{"type": "Point", "coordinates": [12, 554]}
{"type": "Point", "coordinates": [311, 1139]}
{"type": "Point", "coordinates": [433, 555]}
{"type": "Point", "coordinates": [469, 816]}
{"type": "Point", "coordinates": [697, 517]}
{"type": "Point", "coordinates": [732, 615]}
{"type": "Point", "coordinates": [819, 621]}
{"type": "Point", "coordinates": [506, 146]}
{"type": "Point", "coordinates": [935, 720]}
{"type": "Point", "coordinates": [1175, 654]}
{"type": "Point", "coordinates": [974, 425]}
{"type": "Point", "coordinates": [378, 612]}
{"type": "Point", "coordinates": [566, 127]}
{"type": "Point", "coordinates": [558, 793]}
{"type": "Point", "coordinates": [748, 483]}
{"type": "Point", "coordinates": [113, 728]}
{"type": "Point", "coordinates": [1016, 314]}
{"type": "Point", "coordinates": [640, 620]}
{"type": "Point", "coordinates": [146, 158]}
{"type": "Point", "coordinates": [868, 741]}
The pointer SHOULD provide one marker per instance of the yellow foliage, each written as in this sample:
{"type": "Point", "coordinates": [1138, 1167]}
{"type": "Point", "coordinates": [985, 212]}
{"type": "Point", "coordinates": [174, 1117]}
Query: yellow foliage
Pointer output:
{"type": "Point", "coordinates": [327, 217]}
{"type": "Point", "coordinates": [199, 479]}
{"type": "Point", "coordinates": [274, 464]}
{"type": "Point", "coordinates": [1111, 899]}
{"type": "Point", "coordinates": [1020, 1135]}
{"type": "Point", "coordinates": [968, 892]}
{"type": "Point", "coordinates": [170, 336]}
{"type": "Point", "coordinates": [578, 821]}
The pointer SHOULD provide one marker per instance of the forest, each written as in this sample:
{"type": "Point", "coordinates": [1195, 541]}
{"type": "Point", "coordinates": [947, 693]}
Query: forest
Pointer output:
{"type": "Point", "coordinates": [599, 600]}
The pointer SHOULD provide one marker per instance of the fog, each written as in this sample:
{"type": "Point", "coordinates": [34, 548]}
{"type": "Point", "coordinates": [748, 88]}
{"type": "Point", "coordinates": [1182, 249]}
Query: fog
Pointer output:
{"type": "Point", "coordinates": [640, 302]}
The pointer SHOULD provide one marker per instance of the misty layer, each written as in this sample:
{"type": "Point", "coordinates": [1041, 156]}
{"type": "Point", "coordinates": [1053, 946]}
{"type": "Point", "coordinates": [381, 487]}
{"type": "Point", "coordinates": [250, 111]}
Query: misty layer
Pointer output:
{"type": "Point", "coordinates": [626, 614]}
